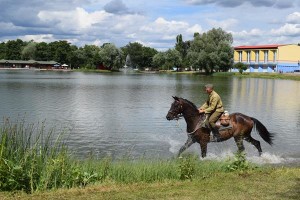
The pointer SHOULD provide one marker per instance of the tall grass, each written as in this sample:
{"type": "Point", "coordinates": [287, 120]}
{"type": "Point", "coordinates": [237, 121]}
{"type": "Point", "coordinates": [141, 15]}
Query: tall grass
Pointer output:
{"type": "Point", "coordinates": [28, 155]}
{"type": "Point", "coordinates": [32, 159]}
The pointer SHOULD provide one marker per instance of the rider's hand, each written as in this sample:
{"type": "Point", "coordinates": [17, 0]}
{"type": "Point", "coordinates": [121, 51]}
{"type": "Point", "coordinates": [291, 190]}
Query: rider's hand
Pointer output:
{"type": "Point", "coordinates": [201, 110]}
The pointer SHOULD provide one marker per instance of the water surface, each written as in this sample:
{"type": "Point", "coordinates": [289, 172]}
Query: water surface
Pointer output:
{"type": "Point", "coordinates": [124, 114]}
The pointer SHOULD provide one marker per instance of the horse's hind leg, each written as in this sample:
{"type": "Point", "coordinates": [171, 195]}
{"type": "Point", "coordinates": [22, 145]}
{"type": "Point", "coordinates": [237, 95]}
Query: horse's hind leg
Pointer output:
{"type": "Point", "coordinates": [255, 143]}
{"type": "Point", "coordinates": [187, 144]}
{"type": "Point", "coordinates": [239, 142]}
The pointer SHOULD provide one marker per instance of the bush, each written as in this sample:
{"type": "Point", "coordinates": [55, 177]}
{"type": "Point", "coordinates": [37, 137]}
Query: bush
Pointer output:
{"type": "Point", "coordinates": [241, 67]}
{"type": "Point", "coordinates": [239, 163]}
{"type": "Point", "coordinates": [187, 167]}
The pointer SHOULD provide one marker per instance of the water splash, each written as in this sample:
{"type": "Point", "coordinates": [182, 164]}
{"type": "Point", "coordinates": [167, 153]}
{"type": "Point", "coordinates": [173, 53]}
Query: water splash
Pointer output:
{"type": "Point", "coordinates": [264, 159]}
{"type": "Point", "coordinates": [269, 158]}
{"type": "Point", "coordinates": [127, 70]}
{"type": "Point", "coordinates": [174, 145]}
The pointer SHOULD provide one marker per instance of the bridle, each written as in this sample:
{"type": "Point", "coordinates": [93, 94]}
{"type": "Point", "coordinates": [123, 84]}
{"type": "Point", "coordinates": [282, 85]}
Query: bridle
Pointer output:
{"type": "Point", "coordinates": [178, 114]}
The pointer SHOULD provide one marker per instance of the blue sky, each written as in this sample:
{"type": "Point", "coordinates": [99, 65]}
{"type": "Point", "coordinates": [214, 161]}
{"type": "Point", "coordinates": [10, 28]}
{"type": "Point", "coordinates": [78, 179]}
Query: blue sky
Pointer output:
{"type": "Point", "coordinates": [152, 23]}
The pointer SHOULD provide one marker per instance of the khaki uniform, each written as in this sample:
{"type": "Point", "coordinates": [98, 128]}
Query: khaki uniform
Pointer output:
{"type": "Point", "coordinates": [213, 108]}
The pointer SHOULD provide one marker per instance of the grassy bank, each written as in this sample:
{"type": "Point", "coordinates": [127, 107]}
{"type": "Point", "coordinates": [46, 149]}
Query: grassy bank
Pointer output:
{"type": "Point", "coordinates": [35, 164]}
{"type": "Point", "coordinates": [285, 76]}
{"type": "Point", "coordinates": [32, 159]}
{"type": "Point", "coordinates": [280, 183]}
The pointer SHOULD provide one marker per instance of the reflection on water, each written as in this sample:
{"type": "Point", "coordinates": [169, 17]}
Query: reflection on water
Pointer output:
{"type": "Point", "coordinates": [124, 114]}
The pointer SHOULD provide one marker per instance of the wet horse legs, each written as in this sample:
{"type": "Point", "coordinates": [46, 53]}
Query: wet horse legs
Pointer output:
{"type": "Point", "coordinates": [187, 144]}
{"type": "Point", "coordinates": [239, 142]}
{"type": "Point", "coordinates": [255, 143]}
{"type": "Point", "coordinates": [203, 146]}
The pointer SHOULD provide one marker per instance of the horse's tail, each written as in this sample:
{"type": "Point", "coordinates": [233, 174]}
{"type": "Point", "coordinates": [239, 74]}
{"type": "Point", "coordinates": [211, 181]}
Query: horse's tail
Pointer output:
{"type": "Point", "coordinates": [263, 131]}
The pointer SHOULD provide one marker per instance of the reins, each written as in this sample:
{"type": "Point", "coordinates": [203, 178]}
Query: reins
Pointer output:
{"type": "Point", "coordinates": [180, 114]}
{"type": "Point", "coordinates": [198, 125]}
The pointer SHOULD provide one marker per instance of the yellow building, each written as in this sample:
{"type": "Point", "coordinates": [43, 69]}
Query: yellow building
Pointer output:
{"type": "Point", "coordinates": [269, 58]}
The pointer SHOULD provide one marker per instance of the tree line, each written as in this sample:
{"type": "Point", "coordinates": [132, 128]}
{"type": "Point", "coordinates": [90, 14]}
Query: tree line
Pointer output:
{"type": "Point", "coordinates": [210, 51]}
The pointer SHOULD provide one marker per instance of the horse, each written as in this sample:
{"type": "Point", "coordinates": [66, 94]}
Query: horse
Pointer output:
{"type": "Point", "coordinates": [241, 127]}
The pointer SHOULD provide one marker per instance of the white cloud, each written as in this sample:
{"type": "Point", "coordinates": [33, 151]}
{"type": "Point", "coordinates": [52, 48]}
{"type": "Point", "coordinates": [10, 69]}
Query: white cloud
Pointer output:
{"type": "Point", "coordinates": [160, 25]}
{"type": "Point", "coordinates": [245, 34]}
{"type": "Point", "coordinates": [252, 37]}
{"type": "Point", "coordinates": [120, 22]}
{"type": "Point", "coordinates": [287, 30]}
{"type": "Point", "coordinates": [38, 38]}
{"type": "Point", "coordinates": [195, 29]}
{"type": "Point", "coordinates": [224, 24]}
{"type": "Point", "coordinates": [73, 20]}
{"type": "Point", "coordinates": [254, 3]}
{"type": "Point", "coordinates": [293, 18]}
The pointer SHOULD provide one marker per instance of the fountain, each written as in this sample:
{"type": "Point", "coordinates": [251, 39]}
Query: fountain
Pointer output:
{"type": "Point", "coordinates": [128, 65]}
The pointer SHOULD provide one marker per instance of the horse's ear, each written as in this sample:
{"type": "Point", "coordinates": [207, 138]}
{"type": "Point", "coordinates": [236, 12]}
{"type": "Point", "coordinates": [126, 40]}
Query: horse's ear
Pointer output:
{"type": "Point", "coordinates": [176, 98]}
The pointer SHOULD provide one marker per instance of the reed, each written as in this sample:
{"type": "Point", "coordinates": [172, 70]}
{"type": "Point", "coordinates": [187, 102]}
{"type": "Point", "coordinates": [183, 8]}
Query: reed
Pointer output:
{"type": "Point", "coordinates": [32, 159]}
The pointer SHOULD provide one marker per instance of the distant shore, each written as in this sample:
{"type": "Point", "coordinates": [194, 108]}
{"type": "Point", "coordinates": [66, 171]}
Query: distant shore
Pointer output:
{"type": "Point", "coordinates": [284, 76]}
{"type": "Point", "coordinates": [267, 75]}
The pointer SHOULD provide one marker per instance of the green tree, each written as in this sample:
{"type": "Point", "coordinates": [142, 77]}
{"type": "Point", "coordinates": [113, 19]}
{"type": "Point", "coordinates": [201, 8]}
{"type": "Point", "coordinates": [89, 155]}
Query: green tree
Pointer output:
{"type": "Point", "coordinates": [211, 51]}
{"type": "Point", "coordinates": [241, 67]}
{"type": "Point", "coordinates": [79, 59]}
{"type": "Point", "coordinates": [182, 47]}
{"type": "Point", "coordinates": [111, 56]}
{"type": "Point", "coordinates": [29, 51]}
{"type": "Point", "coordinates": [2, 50]}
{"type": "Point", "coordinates": [147, 56]}
{"type": "Point", "coordinates": [13, 49]}
{"type": "Point", "coordinates": [73, 58]}
{"type": "Point", "coordinates": [135, 50]}
{"type": "Point", "coordinates": [173, 59]}
{"type": "Point", "coordinates": [59, 51]}
{"type": "Point", "coordinates": [90, 56]}
{"type": "Point", "coordinates": [42, 51]}
{"type": "Point", "coordinates": [159, 60]}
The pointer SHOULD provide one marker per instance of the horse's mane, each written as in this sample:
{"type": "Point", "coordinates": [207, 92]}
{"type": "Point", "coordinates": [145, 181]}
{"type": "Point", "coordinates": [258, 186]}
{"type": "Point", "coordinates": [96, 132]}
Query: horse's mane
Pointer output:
{"type": "Point", "coordinates": [191, 103]}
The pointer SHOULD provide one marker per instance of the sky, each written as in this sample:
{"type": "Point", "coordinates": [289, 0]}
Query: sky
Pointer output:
{"type": "Point", "coordinates": [153, 23]}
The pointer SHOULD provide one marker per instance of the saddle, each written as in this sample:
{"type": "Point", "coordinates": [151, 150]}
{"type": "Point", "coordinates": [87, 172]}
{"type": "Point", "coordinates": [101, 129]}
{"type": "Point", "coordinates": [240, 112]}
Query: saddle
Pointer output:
{"type": "Point", "coordinates": [224, 121]}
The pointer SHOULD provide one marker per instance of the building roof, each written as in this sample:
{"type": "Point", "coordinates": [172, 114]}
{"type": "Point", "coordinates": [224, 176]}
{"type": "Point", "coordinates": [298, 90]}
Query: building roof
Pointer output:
{"type": "Point", "coordinates": [268, 46]}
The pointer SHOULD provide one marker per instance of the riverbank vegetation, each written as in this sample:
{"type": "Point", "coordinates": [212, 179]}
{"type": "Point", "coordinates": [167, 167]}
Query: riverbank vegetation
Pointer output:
{"type": "Point", "coordinates": [210, 51]}
{"type": "Point", "coordinates": [36, 161]}
{"type": "Point", "coordinates": [276, 183]}
{"type": "Point", "coordinates": [284, 76]}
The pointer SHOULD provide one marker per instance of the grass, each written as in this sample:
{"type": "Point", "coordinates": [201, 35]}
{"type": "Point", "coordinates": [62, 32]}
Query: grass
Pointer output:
{"type": "Point", "coordinates": [268, 183]}
{"type": "Point", "coordinates": [32, 159]}
{"type": "Point", "coordinates": [285, 76]}
{"type": "Point", "coordinates": [35, 164]}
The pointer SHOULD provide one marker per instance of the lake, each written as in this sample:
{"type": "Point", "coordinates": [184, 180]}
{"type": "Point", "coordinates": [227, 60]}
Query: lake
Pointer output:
{"type": "Point", "coordinates": [123, 114]}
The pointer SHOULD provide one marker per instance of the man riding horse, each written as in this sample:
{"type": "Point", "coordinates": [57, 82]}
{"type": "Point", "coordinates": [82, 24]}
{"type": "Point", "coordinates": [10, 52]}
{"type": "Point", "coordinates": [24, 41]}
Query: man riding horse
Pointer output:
{"type": "Point", "coordinates": [213, 108]}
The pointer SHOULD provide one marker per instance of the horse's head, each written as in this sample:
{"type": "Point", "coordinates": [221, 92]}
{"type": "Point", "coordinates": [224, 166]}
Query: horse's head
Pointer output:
{"type": "Point", "coordinates": [175, 110]}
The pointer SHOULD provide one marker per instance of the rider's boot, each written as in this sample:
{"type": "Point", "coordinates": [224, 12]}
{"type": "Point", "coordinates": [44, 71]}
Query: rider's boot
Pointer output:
{"type": "Point", "coordinates": [217, 137]}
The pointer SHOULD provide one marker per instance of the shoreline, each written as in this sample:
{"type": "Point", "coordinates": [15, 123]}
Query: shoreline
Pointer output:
{"type": "Point", "coordinates": [266, 75]}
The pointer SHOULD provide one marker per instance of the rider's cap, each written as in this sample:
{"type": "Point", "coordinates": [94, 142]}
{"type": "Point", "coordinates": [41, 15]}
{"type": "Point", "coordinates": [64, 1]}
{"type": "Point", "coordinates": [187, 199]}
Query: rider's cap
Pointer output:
{"type": "Point", "coordinates": [209, 85]}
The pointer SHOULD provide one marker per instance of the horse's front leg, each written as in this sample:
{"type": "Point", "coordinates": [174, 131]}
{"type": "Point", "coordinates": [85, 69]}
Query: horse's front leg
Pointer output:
{"type": "Point", "coordinates": [203, 146]}
{"type": "Point", "coordinates": [187, 144]}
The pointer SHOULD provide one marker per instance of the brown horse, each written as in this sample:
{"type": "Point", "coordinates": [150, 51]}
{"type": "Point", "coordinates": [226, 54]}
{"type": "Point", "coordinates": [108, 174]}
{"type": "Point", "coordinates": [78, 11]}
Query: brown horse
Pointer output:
{"type": "Point", "coordinates": [241, 127]}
